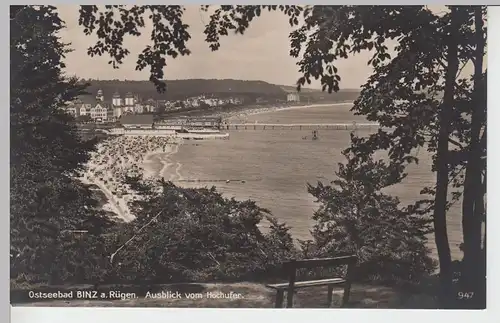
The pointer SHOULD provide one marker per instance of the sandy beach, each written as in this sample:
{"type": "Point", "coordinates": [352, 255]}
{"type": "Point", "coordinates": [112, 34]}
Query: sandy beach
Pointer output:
{"type": "Point", "coordinates": [242, 115]}
{"type": "Point", "coordinates": [118, 157]}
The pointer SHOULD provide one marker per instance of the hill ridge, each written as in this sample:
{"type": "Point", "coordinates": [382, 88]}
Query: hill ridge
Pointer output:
{"type": "Point", "coordinates": [182, 89]}
{"type": "Point", "coordinates": [248, 90]}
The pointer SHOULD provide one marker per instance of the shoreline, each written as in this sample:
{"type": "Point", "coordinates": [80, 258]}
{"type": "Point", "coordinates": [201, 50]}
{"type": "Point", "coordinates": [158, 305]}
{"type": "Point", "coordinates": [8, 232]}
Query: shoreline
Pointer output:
{"type": "Point", "coordinates": [120, 156]}
{"type": "Point", "coordinates": [229, 116]}
{"type": "Point", "coordinates": [164, 159]}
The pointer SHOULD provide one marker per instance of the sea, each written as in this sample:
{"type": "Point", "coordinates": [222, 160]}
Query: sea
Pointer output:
{"type": "Point", "coordinates": [273, 167]}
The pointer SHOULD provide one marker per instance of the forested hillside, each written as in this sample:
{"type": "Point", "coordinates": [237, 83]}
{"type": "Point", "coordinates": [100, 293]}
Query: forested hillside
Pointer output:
{"type": "Point", "coordinates": [181, 89]}
{"type": "Point", "coordinates": [318, 96]}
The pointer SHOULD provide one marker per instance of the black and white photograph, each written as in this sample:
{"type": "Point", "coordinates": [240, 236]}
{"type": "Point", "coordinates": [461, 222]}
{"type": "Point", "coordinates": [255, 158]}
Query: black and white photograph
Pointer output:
{"type": "Point", "coordinates": [248, 156]}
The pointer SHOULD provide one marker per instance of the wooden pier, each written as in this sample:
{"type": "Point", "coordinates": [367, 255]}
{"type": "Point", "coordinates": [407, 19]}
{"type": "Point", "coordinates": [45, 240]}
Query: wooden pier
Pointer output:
{"type": "Point", "coordinates": [303, 126]}
{"type": "Point", "coordinates": [216, 180]}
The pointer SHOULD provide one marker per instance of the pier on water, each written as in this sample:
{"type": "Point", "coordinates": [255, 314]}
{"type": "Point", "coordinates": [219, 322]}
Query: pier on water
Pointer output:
{"type": "Point", "coordinates": [302, 126]}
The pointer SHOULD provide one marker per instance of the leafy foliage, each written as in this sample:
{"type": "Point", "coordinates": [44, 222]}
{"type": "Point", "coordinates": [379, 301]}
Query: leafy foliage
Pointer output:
{"type": "Point", "coordinates": [169, 35]}
{"type": "Point", "coordinates": [197, 235]}
{"type": "Point", "coordinates": [355, 217]}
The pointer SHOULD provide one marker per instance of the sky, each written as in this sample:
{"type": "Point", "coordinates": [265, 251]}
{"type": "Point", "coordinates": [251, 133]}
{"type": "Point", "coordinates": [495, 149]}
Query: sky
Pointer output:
{"type": "Point", "coordinates": [262, 53]}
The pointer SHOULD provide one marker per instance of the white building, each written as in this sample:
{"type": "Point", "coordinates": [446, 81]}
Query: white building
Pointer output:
{"type": "Point", "coordinates": [236, 101]}
{"type": "Point", "coordinates": [96, 108]}
{"type": "Point", "coordinates": [211, 102]}
{"type": "Point", "coordinates": [84, 109]}
{"type": "Point", "coordinates": [138, 108]}
{"type": "Point", "coordinates": [149, 108]}
{"type": "Point", "coordinates": [117, 100]}
{"type": "Point", "coordinates": [100, 96]}
{"type": "Point", "coordinates": [125, 106]}
{"type": "Point", "coordinates": [117, 111]}
{"type": "Point", "coordinates": [129, 100]}
{"type": "Point", "coordinates": [193, 102]}
{"type": "Point", "coordinates": [99, 112]}
{"type": "Point", "coordinates": [72, 109]}
{"type": "Point", "coordinates": [293, 97]}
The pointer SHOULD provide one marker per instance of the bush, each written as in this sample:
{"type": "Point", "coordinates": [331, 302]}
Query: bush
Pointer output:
{"type": "Point", "coordinates": [198, 236]}
{"type": "Point", "coordinates": [355, 217]}
{"type": "Point", "coordinates": [43, 247]}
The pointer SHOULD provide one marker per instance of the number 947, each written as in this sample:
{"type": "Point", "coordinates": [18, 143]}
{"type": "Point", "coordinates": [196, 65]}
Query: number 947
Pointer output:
{"type": "Point", "coordinates": [465, 295]}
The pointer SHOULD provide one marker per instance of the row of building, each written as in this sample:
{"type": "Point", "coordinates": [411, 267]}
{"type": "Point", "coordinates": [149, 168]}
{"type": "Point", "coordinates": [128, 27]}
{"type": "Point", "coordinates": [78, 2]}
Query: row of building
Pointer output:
{"type": "Point", "coordinates": [101, 109]}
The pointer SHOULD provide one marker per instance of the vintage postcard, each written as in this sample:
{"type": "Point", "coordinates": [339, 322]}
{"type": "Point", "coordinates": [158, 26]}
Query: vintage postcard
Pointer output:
{"type": "Point", "coordinates": [258, 156]}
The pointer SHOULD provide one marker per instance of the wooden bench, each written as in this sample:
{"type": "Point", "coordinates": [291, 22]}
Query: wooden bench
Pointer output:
{"type": "Point", "coordinates": [291, 267]}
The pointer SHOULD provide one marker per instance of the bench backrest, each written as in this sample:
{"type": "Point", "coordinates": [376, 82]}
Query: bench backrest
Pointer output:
{"type": "Point", "coordinates": [292, 266]}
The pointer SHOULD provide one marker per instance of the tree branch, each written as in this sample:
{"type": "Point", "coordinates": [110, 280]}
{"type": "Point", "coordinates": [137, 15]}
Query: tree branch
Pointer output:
{"type": "Point", "coordinates": [456, 143]}
{"type": "Point", "coordinates": [134, 236]}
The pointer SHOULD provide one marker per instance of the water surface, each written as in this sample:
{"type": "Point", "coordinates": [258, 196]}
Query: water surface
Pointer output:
{"type": "Point", "coordinates": [277, 165]}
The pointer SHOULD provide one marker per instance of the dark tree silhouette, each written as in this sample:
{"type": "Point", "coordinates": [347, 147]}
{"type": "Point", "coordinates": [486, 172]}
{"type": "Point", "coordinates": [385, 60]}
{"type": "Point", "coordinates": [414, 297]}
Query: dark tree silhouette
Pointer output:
{"type": "Point", "coordinates": [46, 153]}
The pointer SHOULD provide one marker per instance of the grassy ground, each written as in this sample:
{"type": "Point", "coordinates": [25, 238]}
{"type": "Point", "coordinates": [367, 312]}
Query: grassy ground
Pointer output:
{"type": "Point", "coordinates": [245, 295]}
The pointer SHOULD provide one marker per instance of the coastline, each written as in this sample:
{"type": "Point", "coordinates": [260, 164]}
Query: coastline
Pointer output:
{"type": "Point", "coordinates": [230, 116]}
{"type": "Point", "coordinates": [125, 155]}
{"type": "Point", "coordinates": [164, 159]}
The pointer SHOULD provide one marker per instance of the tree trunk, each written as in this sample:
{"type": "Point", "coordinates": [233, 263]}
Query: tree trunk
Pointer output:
{"type": "Point", "coordinates": [485, 171]}
{"type": "Point", "coordinates": [440, 228]}
{"type": "Point", "coordinates": [473, 202]}
{"type": "Point", "coordinates": [480, 301]}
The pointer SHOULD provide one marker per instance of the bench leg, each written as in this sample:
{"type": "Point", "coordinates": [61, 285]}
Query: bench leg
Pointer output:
{"type": "Point", "coordinates": [279, 298]}
{"type": "Point", "coordinates": [330, 295]}
{"type": "Point", "coordinates": [347, 292]}
{"type": "Point", "coordinates": [289, 298]}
